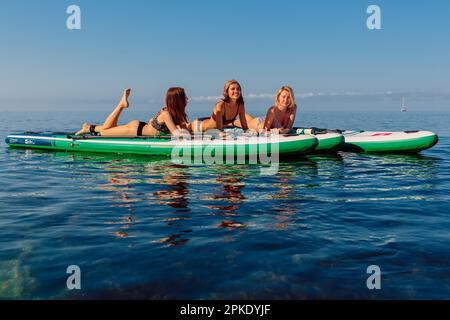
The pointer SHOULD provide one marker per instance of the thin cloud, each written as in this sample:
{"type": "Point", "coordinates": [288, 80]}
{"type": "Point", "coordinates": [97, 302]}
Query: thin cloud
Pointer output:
{"type": "Point", "coordinates": [205, 98]}
{"type": "Point", "coordinates": [312, 95]}
{"type": "Point", "coordinates": [307, 95]}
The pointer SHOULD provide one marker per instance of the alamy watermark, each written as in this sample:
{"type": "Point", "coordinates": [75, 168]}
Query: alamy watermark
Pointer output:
{"type": "Point", "coordinates": [374, 20]}
{"type": "Point", "coordinates": [74, 280]}
{"type": "Point", "coordinates": [215, 147]}
{"type": "Point", "coordinates": [374, 281]}
{"type": "Point", "coordinates": [73, 22]}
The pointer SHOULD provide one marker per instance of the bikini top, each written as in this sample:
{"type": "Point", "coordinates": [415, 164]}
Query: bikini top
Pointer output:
{"type": "Point", "coordinates": [282, 124]}
{"type": "Point", "coordinates": [162, 127]}
{"type": "Point", "coordinates": [224, 120]}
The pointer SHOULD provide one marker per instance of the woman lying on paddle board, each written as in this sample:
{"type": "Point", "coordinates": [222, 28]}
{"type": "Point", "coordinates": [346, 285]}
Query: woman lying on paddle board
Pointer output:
{"type": "Point", "coordinates": [226, 111]}
{"type": "Point", "coordinates": [280, 117]}
{"type": "Point", "coordinates": [169, 120]}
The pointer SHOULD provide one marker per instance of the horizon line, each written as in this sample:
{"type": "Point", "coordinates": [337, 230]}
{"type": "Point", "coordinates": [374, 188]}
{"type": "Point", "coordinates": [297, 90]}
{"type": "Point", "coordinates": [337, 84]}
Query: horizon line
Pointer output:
{"type": "Point", "coordinates": [265, 96]}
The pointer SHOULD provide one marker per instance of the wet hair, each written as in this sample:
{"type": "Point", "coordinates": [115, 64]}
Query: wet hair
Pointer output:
{"type": "Point", "coordinates": [226, 97]}
{"type": "Point", "coordinates": [176, 104]}
{"type": "Point", "coordinates": [291, 93]}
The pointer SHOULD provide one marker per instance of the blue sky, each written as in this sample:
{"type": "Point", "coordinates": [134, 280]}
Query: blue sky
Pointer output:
{"type": "Point", "coordinates": [322, 49]}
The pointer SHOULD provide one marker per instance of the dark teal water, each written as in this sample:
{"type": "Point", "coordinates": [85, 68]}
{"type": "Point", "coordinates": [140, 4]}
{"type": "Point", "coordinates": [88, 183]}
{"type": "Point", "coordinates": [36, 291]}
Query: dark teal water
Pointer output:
{"type": "Point", "coordinates": [146, 228]}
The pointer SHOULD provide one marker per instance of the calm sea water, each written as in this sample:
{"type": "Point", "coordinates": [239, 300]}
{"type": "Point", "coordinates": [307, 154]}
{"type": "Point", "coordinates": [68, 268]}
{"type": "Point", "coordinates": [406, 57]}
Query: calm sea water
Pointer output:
{"type": "Point", "coordinates": [146, 228]}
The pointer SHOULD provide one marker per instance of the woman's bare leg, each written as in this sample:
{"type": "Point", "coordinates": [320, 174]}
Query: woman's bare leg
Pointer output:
{"type": "Point", "coordinates": [201, 125]}
{"type": "Point", "coordinates": [251, 122]}
{"type": "Point", "coordinates": [207, 124]}
{"type": "Point", "coordinates": [84, 129]}
{"type": "Point", "coordinates": [255, 124]}
{"type": "Point", "coordinates": [129, 129]}
{"type": "Point", "coordinates": [113, 118]}
{"type": "Point", "coordinates": [195, 126]}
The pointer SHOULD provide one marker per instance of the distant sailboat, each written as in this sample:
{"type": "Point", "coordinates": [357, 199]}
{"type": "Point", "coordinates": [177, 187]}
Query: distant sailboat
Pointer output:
{"type": "Point", "coordinates": [403, 108]}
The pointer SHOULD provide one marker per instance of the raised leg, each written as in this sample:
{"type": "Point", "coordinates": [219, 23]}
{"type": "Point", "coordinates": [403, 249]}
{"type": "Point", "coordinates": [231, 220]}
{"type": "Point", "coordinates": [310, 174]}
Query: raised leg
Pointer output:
{"type": "Point", "coordinates": [113, 118]}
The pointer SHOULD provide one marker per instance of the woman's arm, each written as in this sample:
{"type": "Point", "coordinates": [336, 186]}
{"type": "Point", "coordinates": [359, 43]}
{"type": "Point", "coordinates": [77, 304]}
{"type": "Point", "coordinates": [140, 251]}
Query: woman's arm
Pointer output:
{"type": "Point", "coordinates": [167, 118]}
{"type": "Point", "coordinates": [243, 118]}
{"type": "Point", "coordinates": [218, 112]}
{"type": "Point", "coordinates": [291, 121]}
{"type": "Point", "coordinates": [269, 119]}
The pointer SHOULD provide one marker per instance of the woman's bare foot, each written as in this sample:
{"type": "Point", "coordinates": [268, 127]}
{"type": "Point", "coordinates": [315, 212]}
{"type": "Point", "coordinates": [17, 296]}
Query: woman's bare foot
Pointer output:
{"type": "Point", "coordinates": [84, 129]}
{"type": "Point", "coordinates": [124, 101]}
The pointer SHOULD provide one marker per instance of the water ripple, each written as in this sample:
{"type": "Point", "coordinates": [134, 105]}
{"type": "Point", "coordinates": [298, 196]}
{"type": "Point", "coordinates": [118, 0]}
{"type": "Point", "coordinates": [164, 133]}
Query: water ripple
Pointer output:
{"type": "Point", "coordinates": [147, 228]}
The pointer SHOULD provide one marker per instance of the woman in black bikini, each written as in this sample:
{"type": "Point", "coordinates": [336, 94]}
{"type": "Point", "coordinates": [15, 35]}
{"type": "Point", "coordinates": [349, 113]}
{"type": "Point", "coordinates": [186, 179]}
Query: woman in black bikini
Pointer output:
{"type": "Point", "coordinates": [226, 111]}
{"type": "Point", "coordinates": [169, 120]}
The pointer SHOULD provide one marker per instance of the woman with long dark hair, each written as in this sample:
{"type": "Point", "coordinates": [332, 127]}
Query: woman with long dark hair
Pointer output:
{"type": "Point", "coordinates": [169, 120]}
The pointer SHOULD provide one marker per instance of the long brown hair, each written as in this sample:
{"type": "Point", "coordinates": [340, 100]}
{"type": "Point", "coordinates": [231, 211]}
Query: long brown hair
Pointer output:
{"type": "Point", "coordinates": [176, 104]}
{"type": "Point", "coordinates": [226, 97]}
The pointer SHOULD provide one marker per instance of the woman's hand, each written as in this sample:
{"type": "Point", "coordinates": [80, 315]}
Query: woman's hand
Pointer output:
{"type": "Point", "coordinates": [275, 131]}
{"type": "Point", "coordinates": [181, 133]}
